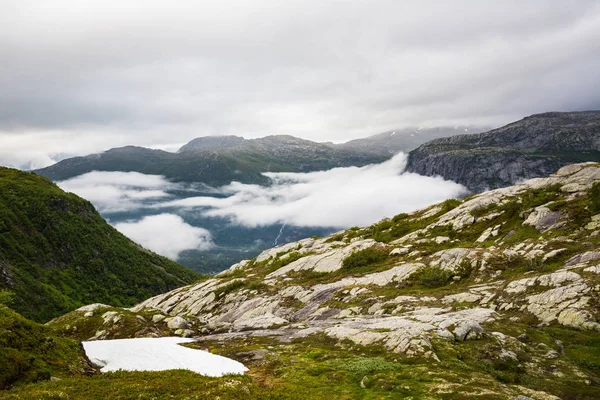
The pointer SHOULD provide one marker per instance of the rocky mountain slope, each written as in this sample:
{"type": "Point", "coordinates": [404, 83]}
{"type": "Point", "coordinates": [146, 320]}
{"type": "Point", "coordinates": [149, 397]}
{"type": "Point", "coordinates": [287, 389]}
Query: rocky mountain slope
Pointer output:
{"type": "Point", "coordinates": [495, 296]}
{"type": "Point", "coordinates": [532, 147]}
{"type": "Point", "coordinates": [57, 253]}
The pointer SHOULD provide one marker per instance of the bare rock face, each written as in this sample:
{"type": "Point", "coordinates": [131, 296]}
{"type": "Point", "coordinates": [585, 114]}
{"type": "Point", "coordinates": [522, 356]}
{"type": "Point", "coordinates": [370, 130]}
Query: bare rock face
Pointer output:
{"type": "Point", "coordinates": [533, 147]}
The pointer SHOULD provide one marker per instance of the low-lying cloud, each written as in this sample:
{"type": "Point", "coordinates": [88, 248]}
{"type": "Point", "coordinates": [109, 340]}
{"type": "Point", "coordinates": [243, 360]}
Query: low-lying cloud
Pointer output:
{"type": "Point", "coordinates": [166, 234]}
{"type": "Point", "coordinates": [340, 197]}
{"type": "Point", "coordinates": [337, 198]}
{"type": "Point", "coordinates": [118, 191]}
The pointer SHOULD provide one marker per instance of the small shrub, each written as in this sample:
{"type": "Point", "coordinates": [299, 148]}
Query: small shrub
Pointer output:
{"type": "Point", "coordinates": [433, 277]}
{"type": "Point", "coordinates": [449, 205]}
{"type": "Point", "coordinates": [230, 287]}
{"type": "Point", "coordinates": [365, 257]}
{"type": "Point", "coordinates": [362, 366]}
{"type": "Point", "coordinates": [464, 269]}
{"type": "Point", "coordinates": [483, 210]}
{"type": "Point", "coordinates": [595, 198]}
{"type": "Point", "coordinates": [6, 297]}
{"type": "Point", "coordinates": [400, 217]}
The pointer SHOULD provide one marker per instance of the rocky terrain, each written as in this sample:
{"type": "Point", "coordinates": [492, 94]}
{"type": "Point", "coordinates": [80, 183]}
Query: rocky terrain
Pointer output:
{"type": "Point", "coordinates": [533, 147]}
{"type": "Point", "coordinates": [495, 296]}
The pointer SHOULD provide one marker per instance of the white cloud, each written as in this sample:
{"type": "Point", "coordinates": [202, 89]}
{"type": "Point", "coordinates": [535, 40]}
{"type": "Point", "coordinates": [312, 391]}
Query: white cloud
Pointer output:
{"type": "Point", "coordinates": [166, 234]}
{"type": "Point", "coordinates": [339, 197]}
{"type": "Point", "coordinates": [118, 191]}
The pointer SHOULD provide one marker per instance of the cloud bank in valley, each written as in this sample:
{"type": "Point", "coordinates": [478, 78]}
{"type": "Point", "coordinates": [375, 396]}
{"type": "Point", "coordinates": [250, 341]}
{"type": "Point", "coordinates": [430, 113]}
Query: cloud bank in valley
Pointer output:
{"type": "Point", "coordinates": [166, 234]}
{"type": "Point", "coordinates": [118, 191]}
{"type": "Point", "coordinates": [340, 197]}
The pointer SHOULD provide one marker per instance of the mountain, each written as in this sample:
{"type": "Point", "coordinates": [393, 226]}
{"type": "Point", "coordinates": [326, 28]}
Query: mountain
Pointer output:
{"type": "Point", "coordinates": [218, 161]}
{"type": "Point", "coordinates": [57, 253]}
{"type": "Point", "coordinates": [494, 296]}
{"type": "Point", "coordinates": [405, 139]}
{"type": "Point", "coordinates": [534, 146]}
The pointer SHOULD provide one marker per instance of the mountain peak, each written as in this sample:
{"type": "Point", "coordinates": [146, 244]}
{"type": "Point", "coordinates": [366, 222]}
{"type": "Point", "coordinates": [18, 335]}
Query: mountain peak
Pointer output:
{"type": "Point", "coordinates": [212, 143]}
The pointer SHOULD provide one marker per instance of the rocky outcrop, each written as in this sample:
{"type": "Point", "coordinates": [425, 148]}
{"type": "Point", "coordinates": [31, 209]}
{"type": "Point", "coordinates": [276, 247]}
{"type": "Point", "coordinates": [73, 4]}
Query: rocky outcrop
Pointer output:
{"type": "Point", "coordinates": [535, 146]}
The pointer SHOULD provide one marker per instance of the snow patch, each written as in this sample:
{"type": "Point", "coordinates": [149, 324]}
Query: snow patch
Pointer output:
{"type": "Point", "coordinates": [158, 354]}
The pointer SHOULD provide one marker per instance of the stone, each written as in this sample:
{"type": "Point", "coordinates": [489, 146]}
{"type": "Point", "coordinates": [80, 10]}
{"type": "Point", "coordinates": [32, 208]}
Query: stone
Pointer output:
{"type": "Point", "coordinates": [111, 317]}
{"type": "Point", "coordinates": [158, 318]}
{"type": "Point", "coordinates": [468, 330]}
{"type": "Point", "coordinates": [441, 239]}
{"type": "Point", "coordinates": [92, 307]}
{"type": "Point", "coordinates": [542, 218]}
{"type": "Point", "coordinates": [177, 323]}
{"type": "Point", "coordinates": [329, 261]}
{"type": "Point", "coordinates": [398, 251]}
{"type": "Point", "coordinates": [594, 224]}
{"type": "Point", "coordinates": [186, 333]}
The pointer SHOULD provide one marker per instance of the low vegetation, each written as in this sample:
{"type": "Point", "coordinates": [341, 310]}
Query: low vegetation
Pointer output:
{"type": "Point", "coordinates": [30, 352]}
{"type": "Point", "coordinates": [57, 253]}
{"type": "Point", "coordinates": [362, 258]}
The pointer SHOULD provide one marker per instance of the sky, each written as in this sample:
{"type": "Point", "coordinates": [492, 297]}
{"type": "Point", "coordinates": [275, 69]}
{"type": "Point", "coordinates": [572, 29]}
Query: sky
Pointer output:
{"type": "Point", "coordinates": [82, 76]}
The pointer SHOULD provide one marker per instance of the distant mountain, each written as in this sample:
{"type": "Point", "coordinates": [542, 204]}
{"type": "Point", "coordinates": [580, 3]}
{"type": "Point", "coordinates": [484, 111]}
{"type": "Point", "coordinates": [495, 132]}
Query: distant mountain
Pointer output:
{"type": "Point", "coordinates": [534, 146]}
{"type": "Point", "coordinates": [218, 160]}
{"type": "Point", "coordinates": [406, 139]}
{"type": "Point", "coordinates": [57, 253]}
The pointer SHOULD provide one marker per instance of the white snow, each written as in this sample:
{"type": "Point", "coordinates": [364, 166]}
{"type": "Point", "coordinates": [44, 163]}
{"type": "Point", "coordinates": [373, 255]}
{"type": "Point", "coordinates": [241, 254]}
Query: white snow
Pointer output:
{"type": "Point", "coordinates": [158, 354]}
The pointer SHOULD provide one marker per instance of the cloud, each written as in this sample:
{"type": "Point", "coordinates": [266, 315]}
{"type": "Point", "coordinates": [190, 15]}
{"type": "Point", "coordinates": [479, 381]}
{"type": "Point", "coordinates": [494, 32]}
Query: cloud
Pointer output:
{"type": "Point", "coordinates": [166, 234]}
{"type": "Point", "coordinates": [341, 197]}
{"type": "Point", "coordinates": [118, 191]}
{"type": "Point", "coordinates": [152, 73]}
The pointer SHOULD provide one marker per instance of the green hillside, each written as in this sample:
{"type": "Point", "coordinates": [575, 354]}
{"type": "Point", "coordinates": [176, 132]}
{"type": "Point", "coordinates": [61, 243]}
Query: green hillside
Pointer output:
{"type": "Point", "coordinates": [57, 253]}
{"type": "Point", "coordinates": [30, 352]}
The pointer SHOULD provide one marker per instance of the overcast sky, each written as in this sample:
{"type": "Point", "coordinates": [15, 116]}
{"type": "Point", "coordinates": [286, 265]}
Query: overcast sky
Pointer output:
{"type": "Point", "coordinates": [82, 76]}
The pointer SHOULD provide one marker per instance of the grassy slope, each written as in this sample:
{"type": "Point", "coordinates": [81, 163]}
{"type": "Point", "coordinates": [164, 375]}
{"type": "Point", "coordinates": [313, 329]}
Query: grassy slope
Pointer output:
{"type": "Point", "coordinates": [57, 253]}
{"type": "Point", "coordinates": [30, 352]}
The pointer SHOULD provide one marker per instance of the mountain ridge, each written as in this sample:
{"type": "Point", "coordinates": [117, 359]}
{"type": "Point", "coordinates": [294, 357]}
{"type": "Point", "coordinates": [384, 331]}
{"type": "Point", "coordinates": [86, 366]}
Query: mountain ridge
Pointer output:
{"type": "Point", "coordinates": [218, 160]}
{"type": "Point", "coordinates": [535, 146]}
